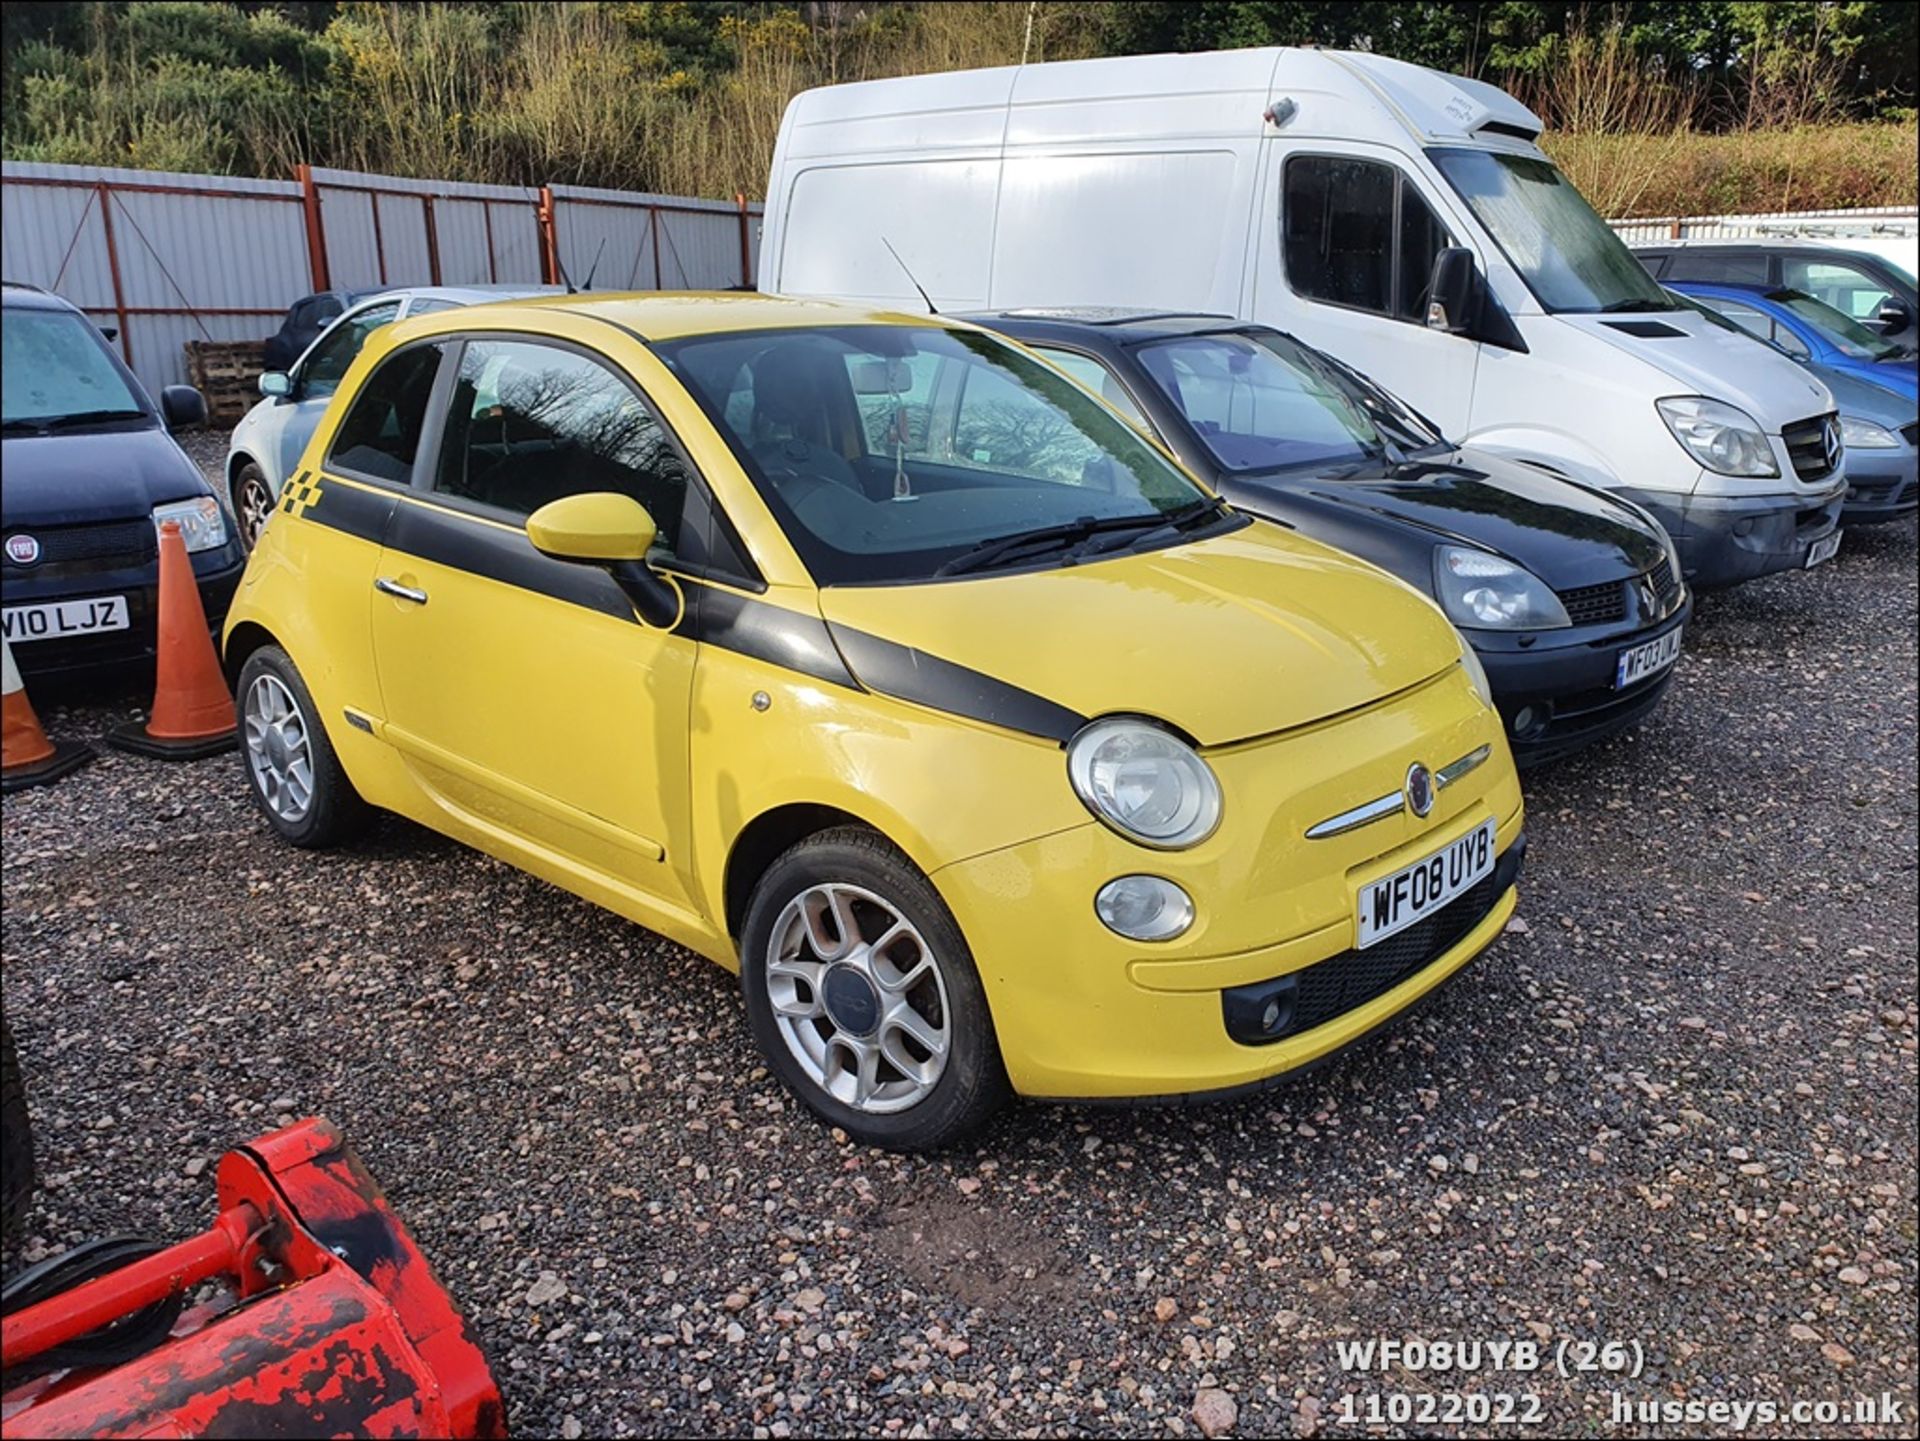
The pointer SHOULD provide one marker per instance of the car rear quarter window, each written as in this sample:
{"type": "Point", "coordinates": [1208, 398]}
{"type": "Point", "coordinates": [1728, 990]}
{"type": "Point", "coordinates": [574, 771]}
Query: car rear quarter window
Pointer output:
{"type": "Point", "coordinates": [530, 423]}
{"type": "Point", "coordinates": [380, 435]}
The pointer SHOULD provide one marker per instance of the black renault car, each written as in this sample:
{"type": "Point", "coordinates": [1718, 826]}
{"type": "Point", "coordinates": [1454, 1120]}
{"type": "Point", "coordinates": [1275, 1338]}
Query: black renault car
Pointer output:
{"type": "Point", "coordinates": [1572, 599]}
{"type": "Point", "coordinates": [90, 471]}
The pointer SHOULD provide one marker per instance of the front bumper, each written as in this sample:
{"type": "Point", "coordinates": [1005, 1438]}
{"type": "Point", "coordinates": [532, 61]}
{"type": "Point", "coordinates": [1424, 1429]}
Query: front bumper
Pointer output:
{"type": "Point", "coordinates": [1881, 485]}
{"type": "Point", "coordinates": [1724, 540]}
{"type": "Point", "coordinates": [217, 571]}
{"type": "Point", "coordinates": [1082, 1014]}
{"type": "Point", "coordinates": [1557, 696]}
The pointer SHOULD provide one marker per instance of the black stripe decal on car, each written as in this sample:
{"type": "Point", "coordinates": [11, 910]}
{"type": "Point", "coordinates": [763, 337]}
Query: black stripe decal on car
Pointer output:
{"type": "Point", "coordinates": [790, 639]}
{"type": "Point", "coordinates": [345, 508]}
{"type": "Point", "coordinates": [772, 633]}
{"type": "Point", "coordinates": [913, 675]}
{"type": "Point", "coordinates": [447, 538]}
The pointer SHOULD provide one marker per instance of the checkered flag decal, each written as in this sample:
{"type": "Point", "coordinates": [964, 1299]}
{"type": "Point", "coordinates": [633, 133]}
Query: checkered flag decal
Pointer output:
{"type": "Point", "coordinates": [303, 492]}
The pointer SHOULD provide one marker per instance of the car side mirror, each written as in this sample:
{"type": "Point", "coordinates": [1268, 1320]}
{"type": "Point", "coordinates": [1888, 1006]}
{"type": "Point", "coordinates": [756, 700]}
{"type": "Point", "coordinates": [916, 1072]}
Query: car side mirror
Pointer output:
{"type": "Point", "coordinates": [183, 407]}
{"type": "Point", "coordinates": [611, 530]}
{"type": "Point", "coordinates": [1453, 291]}
{"type": "Point", "coordinates": [1893, 317]}
{"type": "Point", "coordinates": [276, 384]}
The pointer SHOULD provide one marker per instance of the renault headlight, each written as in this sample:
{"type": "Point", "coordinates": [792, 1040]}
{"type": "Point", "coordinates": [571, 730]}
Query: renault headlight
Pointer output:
{"type": "Point", "coordinates": [1723, 438]}
{"type": "Point", "coordinates": [1483, 591]}
{"type": "Point", "coordinates": [1866, 435]}
{"type": "Point", "coordinates": [1145, 782]}
{"type": "Point", "coordinates": [202, 526]}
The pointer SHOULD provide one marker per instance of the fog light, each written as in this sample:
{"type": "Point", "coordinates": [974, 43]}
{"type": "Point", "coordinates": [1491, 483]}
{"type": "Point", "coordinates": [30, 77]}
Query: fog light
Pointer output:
{"type": "Point", "coordinates": [1525, 719]}
{"type": "Point", "coordinates": [1270, 1017]}
{"type": "Point", "coordinates": [1144, 908]}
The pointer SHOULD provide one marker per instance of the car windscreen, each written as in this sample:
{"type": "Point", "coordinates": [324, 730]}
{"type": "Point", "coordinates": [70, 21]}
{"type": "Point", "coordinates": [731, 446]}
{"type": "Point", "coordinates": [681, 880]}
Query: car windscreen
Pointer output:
{"type": "Point", "coordinates": [900, 453]}
{"type": "Point", "coordinates": [1842, 331]}
{"type": "Point", "coordinates": [1566, 254]}
{"type": "Point", "coordinates": [55, 368]}
{"type": "Point", "coordinates": [1262, 401]}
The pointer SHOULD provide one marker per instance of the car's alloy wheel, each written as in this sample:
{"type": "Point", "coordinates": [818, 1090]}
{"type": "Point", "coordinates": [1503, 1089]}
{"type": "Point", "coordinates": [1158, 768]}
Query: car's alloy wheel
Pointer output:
{"type": "Point", "coordinates": [252, 504]}
{"type": "Point", "coordinates": [859, 998]}
{"type": "Point", "coordinates": [278, 751]}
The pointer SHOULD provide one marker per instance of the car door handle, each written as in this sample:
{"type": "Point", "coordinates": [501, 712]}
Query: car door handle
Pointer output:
{"type": "Point", "coordinates": [399, 591]}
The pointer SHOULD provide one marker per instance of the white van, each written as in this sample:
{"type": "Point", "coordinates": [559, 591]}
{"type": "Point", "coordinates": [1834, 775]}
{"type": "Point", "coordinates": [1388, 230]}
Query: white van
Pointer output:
{"type": "Point", "coordinates": [1403, 219]}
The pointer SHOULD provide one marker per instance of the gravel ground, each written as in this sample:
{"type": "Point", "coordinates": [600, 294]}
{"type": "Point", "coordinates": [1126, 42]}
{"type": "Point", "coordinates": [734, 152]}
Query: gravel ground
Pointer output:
{"type": "Point", "coordinates": [1675, 1105]}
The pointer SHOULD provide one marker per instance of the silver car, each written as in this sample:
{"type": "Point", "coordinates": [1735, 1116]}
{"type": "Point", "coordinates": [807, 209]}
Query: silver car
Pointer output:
{"type": "Point", "coordinates": [267, 443]}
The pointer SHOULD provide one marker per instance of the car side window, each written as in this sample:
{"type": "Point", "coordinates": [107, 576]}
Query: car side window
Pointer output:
{"type": "Point", "coordinates": [335, 351]}
{"type": "Point", "coordinates": [1355, 233]}
{"type": "Point", "coordinates": [531, 423]}
{"type": "Point", "coordinates": [1717, 266]}
{"type": "Point", "coordinates": [1096, 377]}
{"type": "Point", "coordinates": [1848, 289]}
{"type": "Point", "coordinates": [380, 434]}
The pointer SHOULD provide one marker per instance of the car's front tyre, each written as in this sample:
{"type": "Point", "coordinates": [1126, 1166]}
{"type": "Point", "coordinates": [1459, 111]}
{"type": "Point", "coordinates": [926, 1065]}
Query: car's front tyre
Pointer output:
{"type": "Point", "coordinates": [864, 998]}
{"type": "Point", "coordinates": [253, 502]}
{"type": "Point", "coordinates": [292, 771]}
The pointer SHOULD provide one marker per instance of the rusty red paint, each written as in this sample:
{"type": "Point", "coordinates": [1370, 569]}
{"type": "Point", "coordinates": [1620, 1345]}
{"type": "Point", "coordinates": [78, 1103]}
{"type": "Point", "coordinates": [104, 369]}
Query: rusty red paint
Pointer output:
{"type": "Point", "coordinates": [353, 1335]}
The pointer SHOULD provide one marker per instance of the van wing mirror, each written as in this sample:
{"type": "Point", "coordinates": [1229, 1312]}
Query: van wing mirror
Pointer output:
{"type": "Point", "coordinates": [183, 408]}
{"type": "Point", "coordinates": [1453, 291]}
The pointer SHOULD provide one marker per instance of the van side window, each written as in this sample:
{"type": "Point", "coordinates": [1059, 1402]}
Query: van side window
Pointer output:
{"type": "Point", "coordinates": [1355, 233]}
{"type": "Point", "coordinates": [381, 432]}
{"type": "Point", "coordinates": [531, 423]}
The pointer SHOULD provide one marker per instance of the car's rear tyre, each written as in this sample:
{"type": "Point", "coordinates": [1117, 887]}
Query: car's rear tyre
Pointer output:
{"type": "Point", "coordinates": [16, 1139]}
{"type": "Point", "coordinates": [292, 771]}
{"type": "Point", "coordinates": [253, 503]}
{"type": "Point", "coordinates": [863, 995]}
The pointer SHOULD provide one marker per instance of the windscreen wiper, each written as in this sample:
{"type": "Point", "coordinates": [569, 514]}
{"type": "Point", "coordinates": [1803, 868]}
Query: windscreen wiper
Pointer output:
{"type": "Point", "coordinates": [1170, 526]}
{"type": "Point", "coordinates": [1639, 305]}
{"type": "Point", "coordinates": [1050, 537]}
{"type": "Point", "coordinates": [23, 427]}
{"type": "Point", "coordinates": [88, 417]}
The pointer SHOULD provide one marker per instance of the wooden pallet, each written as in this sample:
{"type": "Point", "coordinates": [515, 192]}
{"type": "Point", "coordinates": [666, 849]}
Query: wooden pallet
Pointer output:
{"type": "Point", "coordinates": [227, 373]}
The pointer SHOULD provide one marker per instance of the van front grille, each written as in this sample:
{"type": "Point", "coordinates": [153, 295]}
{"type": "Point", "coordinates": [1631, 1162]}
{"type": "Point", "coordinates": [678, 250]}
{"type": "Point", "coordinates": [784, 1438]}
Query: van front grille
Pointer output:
{"type": "Point", "coordinates": [1813, 445]}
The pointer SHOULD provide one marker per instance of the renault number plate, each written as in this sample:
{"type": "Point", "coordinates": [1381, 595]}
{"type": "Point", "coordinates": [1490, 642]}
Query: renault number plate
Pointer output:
{"type": "Point", "coordinates": [63, 618]}
{"type": "Point", "coordinates": [1412, 894]}
{"type": "Point", "coordinates": [1641, 661]}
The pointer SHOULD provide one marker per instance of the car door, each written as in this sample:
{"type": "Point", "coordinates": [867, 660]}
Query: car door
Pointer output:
{"type": "Point", "coordinates": [1357, 240]}
{"type": "Point", "coordinates": [316, 376]}
{"type": "Point", "coordinates": [525, 695]}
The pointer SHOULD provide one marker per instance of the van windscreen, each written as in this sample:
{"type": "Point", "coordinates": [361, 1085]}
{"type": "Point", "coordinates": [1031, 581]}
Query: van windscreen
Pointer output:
{"type": "Point", "coordinates": [1566, 254]}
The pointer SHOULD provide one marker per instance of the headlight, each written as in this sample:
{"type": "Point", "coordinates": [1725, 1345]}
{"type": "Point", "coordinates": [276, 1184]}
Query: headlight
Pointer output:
{"type": "Point", "coordinates": [1481, 591]}
{"type": "Point", "coordinates": [1144, 782]}
{"type": "Point", "coordinates": [202, 526]}
{"type": "Point", "coordinates": [1144, 908]}
{"type": "Point", "coordinates": [1867, 435]}
{"type": "Point", "coordinates": [1721, 437]}
{"type": "Point", "coordinates": [1477, 673]}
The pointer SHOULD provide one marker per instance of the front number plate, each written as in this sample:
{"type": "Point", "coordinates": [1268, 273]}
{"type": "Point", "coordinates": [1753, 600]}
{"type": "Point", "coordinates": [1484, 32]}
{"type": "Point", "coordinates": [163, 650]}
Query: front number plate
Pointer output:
{"type": "Point", "coordinates": [63, 618]}
{"type": "Point", "coordinates": [1646, 660]}
{"type": "Point", "coordinates": [1823, 550]}
{"type": "Point", "coordinates": [1395, 902]}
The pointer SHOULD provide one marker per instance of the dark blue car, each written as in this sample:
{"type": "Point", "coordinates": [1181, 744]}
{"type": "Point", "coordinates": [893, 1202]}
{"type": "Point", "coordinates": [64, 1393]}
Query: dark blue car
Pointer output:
{"type": "Point", "coordinates": [1813, 332]}
{"type": "Point", "coordinates": [92, 469]}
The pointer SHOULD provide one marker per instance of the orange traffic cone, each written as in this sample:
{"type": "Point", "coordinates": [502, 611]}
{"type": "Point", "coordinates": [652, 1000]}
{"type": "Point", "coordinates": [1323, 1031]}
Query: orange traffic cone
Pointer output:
{"type": "Point", "coordinates": [27, 757]}
{"type": "Point", "coordinates": [192, 713]}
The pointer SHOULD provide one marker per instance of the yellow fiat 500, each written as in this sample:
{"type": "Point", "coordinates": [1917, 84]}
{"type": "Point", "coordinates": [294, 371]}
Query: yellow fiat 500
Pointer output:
{"type": "Point", "coordinates": [868, 655]}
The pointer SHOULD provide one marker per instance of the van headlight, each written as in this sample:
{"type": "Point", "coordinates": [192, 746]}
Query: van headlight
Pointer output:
{"type": "Point", "coordinates": [1483, 591]}
{"type": "Point", "coordinates": [202, 526]}
{"type": "Point", "coordinates": [1723, 438]}
{"type": "Point", "coordinates": [1145, 782]}
{"type": "Point", "coordinates": [1866, 435]}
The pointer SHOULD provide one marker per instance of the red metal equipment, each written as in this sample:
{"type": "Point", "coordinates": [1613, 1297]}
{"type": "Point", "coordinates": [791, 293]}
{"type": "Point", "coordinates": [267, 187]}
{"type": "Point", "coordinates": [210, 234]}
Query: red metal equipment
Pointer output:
{"type": "Point", "coordinates": [337, 1325]}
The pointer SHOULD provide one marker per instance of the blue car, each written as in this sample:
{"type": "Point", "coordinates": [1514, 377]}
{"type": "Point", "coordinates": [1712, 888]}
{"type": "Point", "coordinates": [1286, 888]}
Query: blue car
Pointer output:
{"type": "Point", "coordinates": [1813, 332]}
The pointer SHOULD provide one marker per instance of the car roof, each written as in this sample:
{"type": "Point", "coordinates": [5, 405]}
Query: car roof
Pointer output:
{"type": "Point", "coordinates": [17, 294]}
{"type": "Point", "coordinates": [1751, 242]}
{"type": "Point", "coordinates": [1110, 324]}
{"type": "Point", "coordinates": [670, 315]}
